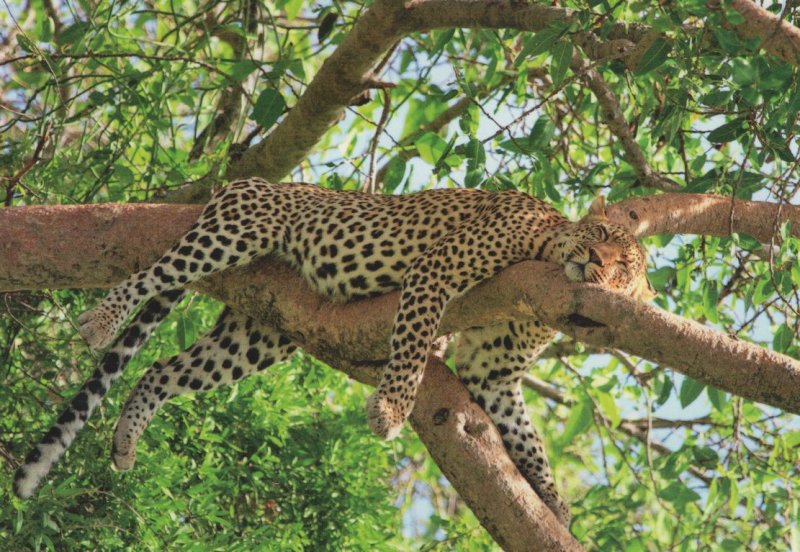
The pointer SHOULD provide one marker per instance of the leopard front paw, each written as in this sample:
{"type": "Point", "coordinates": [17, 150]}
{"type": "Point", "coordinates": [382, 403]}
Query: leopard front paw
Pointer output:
{"type": "Point", "coordinates": [96, 328]}
{"type": "Point", "coordinates": [385, 418]}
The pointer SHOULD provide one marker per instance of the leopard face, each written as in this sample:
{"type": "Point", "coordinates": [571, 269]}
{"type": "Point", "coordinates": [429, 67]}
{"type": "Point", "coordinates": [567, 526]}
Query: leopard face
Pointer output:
{"type": "Point", "coordinates": [606, 253]}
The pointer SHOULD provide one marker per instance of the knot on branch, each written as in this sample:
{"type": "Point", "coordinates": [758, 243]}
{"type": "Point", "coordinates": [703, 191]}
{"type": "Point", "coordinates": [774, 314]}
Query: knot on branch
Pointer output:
{"type": "Point", "coordinates": [582, 322]}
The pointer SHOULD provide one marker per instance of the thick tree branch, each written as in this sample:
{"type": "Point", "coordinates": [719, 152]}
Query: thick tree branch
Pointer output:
{"type": "Point", "coordinates": [468, 449]}
{"type": "Point", "coordinates": [777, 36]}
{"type": "Point", "coordinates": [39, 245]}
{"type": "Point", "coordinates": [703, 214]}
{"type": "Point", "coordinates": [33, 256]}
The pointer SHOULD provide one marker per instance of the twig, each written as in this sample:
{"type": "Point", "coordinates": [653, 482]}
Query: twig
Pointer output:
{"type": "Point", "coordinates": [371, 185]}
{"type": "Point", "coordinates": [615, 119]}
{"type": "Point", "coordinates": [35, 158]}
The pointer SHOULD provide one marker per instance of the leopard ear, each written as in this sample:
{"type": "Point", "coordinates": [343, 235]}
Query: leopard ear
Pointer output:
{"type": "Point", "coordinates": [597, 210]}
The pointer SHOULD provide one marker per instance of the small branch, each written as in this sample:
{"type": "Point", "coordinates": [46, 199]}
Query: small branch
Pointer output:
{"type": "Point", "coordinates": [371, 185]}
{"type": "Point", "coordinates": [15, 180]}
{"type": "Point", "coordinates": [615, 119]}
{"type": "Point", "coordinates": [437, 124]}
{"type": "Point", "coordinates": [345, 73]}
{"type": "Point", "coordinates": [633, 429]}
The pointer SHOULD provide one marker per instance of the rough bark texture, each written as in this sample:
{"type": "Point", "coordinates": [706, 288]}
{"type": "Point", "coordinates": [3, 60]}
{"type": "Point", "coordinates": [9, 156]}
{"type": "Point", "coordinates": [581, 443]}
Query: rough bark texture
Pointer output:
{"type": "Point", "coordinates": [703, 214]}
{"type": "Point", "coordinates": [466, 446]}
{"type": "Point", "coordinates": [777, 36]}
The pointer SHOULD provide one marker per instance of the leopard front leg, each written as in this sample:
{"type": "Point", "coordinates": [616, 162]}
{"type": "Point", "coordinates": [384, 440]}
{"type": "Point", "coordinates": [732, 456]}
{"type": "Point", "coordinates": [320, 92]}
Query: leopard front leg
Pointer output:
{"type": "Point", "coordinates": [221, 238]}
{"type": "Point", "coordinates": [491, 362]}
{"type": "Point", "coordinates": [236, 348]}
{"type": "Point", "coordinates": [456, 263]}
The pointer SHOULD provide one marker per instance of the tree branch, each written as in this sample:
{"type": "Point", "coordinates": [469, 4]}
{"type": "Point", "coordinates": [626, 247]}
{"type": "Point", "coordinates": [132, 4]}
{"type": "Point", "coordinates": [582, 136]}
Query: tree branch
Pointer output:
{"type": "Point", "coordinates": [615, 119]}
{"type": "Point", "coordinates": [778, 37]}
{"type": "Point", "coordinates": [707, 214]}
{"type": "Point", "coordinates": [348, 70]}
{"type": "Point", "coordinates": [31, 259]}
{"type": "Point", "coordinates": [38, 246]}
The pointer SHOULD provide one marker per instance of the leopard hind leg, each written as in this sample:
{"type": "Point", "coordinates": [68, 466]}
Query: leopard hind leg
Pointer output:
{"type": "Point", "coordinates": [237, 347]}
{"type": "Point", "coordinates": [235, 227]}
{"type": "Point", "coordinates": [55, 442]}
{"type": "Point", "coordinates": [491, 362]}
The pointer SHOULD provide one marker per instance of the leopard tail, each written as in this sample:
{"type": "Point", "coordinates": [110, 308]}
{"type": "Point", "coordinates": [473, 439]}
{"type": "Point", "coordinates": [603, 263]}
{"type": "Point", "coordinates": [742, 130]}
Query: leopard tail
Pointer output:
{"type": "Point", "coordinates": [56, 441]}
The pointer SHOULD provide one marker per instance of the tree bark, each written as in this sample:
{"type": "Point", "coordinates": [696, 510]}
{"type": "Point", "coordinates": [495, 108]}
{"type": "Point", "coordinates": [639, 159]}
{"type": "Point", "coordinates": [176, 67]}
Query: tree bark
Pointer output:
{"type": "Point", "coordinates": [775, 35]}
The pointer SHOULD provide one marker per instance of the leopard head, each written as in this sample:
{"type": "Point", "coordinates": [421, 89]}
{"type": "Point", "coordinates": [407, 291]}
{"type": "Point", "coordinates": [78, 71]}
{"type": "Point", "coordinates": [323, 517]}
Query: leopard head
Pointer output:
{"type": "Point", "coordinates": [606, 253]}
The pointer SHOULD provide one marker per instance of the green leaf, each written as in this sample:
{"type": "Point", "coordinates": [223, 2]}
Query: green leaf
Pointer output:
{"type": "Point", "coordinates": [705, 457]}
{"type": "Point", "coordinates": [541, 41]}
{"type": "Point", "coordinates": [443, 38]}
{"type": "Point", "coordinates": [716, 98]}
{"type": "Point", "coordinates": [710, 301]}
{"type": "Point", "coordinates": [783, 338]}
{"type": "Point", "coordinates": [242, 69]}
{"type": "Point", "coordinates": [690, 390]}
{"type": "Point", "coordinates": [727, 132]}
{"type": "Point", "coordinates": [562, 56]}
{"type": "Point", "coordinates": [25, 44]}
{"type": "Point", "coordinates": [430, 146]}
{"type": "Point", "coordinates": [268, 108]}
{"type": "Point", "coordinates": [542, 132]}
{"type": "Point", "coordinates": [185, 332]}
{"type": "Point", "coordinates": [609, 408]}
{"type": "Point", "coordinates": [679, 494]}
{"type": "Point", "coordinates": [123, 175]}
{"type": "Point", "coordinates": [73, 34]}
{"type": "Point", "coordinates": [764, 290]}
{"type": "Point", "coordinates": [661, 276]}
{"type": "Point", "coordinates": [664, 387]}
{"type": "Point", "coordinates": [579, 420]}
{"type": "Point", "coordinates": [718, 398]}
{"type": "Point", "coordinates": [656, 54]}
{"type": "Point", "coordinates": [395, 171]}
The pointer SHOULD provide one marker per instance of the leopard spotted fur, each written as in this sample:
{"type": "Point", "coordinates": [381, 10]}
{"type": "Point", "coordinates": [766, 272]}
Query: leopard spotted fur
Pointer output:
{"type": "Point", "coordinates": [432, 245]}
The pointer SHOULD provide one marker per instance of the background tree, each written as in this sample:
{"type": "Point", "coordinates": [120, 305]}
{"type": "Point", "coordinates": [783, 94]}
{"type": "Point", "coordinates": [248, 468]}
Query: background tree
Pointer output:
{"type": "Point", "coordinates": [659, 106]}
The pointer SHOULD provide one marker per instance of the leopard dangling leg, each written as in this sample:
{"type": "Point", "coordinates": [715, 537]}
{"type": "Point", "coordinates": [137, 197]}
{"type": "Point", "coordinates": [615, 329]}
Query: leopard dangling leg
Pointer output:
{"type": "Point", "coordinates": [491, 362]}
{"type": "Point", "coordinates": [453, 265]}
{"type": "Point", "coordinates": [235, 227]}
{"type": "Point", "coordinates": [237, 347]}
{"type": "Point", "coordinates": [56, 441]}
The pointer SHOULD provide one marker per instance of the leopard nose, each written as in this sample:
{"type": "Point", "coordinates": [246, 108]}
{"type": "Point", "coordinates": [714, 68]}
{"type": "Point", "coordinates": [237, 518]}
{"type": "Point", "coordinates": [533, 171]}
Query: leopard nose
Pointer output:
{"type": "Point", "coordinates": [595, 257]}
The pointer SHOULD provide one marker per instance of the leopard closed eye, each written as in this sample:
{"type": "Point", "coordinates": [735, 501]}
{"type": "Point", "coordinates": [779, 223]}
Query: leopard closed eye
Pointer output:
{"type": "Point", "coordinates": [433, 246]}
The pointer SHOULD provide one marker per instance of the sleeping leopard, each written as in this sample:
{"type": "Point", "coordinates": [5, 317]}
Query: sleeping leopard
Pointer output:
{"type": "Point", "coordinates": [432, 245]}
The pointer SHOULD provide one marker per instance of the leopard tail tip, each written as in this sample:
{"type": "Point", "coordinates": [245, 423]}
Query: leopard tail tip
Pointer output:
{"type": "Point", "coordinates": [384, 420]}
{"type": "Point", "coordinates": [93, 330]}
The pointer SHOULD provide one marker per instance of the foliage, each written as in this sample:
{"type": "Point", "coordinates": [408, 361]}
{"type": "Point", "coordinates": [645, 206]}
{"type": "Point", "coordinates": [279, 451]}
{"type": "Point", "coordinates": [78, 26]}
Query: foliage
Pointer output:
{"type": "Point", "coordinates": [119, 101]}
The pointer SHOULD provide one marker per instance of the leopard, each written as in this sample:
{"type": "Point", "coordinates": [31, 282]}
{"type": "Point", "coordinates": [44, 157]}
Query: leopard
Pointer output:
{"type": "Point", "coordinates": [432, 246]}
